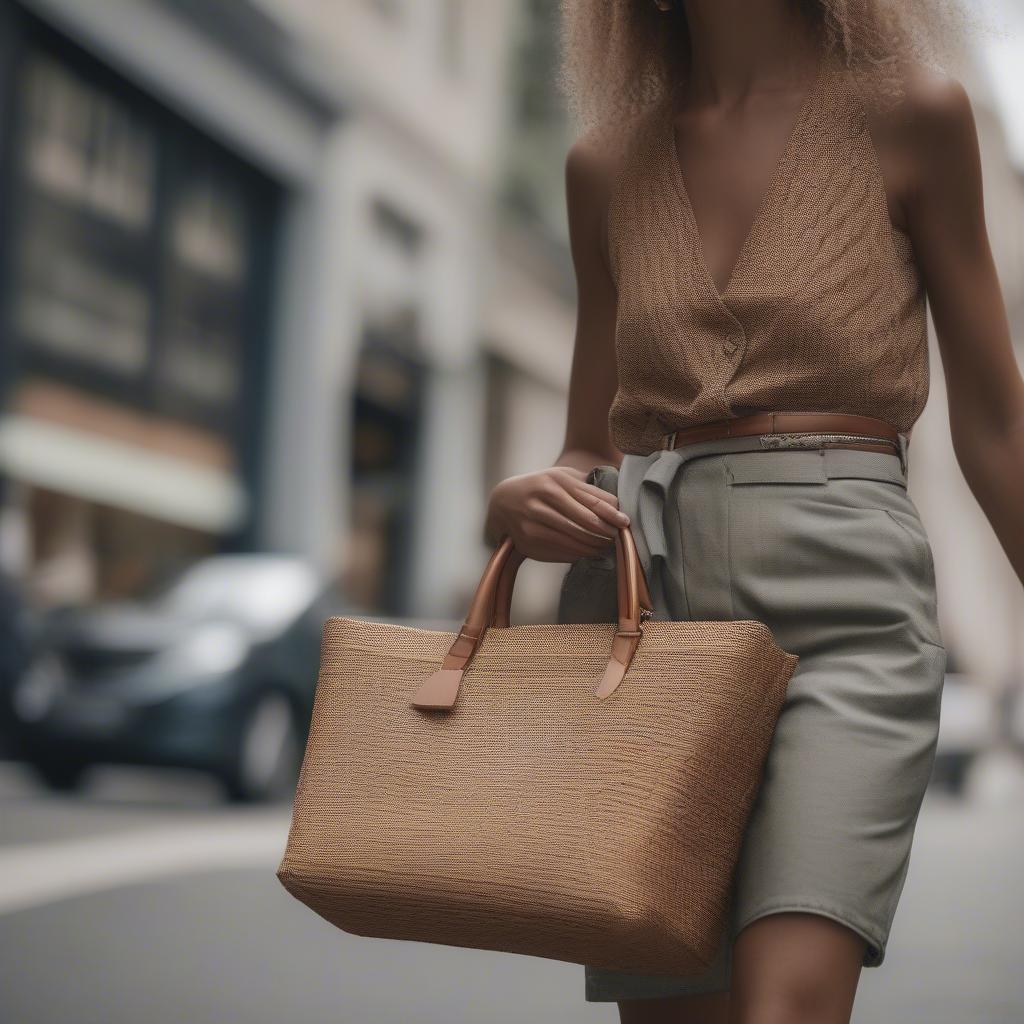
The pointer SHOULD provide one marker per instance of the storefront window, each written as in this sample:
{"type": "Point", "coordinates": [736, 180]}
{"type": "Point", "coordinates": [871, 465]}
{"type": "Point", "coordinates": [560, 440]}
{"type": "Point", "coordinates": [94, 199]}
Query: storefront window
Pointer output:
{"type": "Point", "coordinates": [135, 266]}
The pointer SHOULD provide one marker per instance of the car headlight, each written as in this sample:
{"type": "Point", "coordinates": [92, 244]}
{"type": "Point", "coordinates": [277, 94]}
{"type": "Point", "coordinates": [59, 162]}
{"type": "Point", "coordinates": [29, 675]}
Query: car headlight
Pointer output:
{"type": "Point", "coordinates": [213, 649]}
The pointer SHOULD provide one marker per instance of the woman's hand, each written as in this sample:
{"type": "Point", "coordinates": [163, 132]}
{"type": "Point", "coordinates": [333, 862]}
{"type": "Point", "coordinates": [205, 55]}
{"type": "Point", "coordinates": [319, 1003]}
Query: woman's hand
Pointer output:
{"type": "Point", "coordinates": [554, 515]}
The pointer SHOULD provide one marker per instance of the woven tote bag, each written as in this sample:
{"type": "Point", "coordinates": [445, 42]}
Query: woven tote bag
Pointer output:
{"type": "Point", "coordinates": [573, 791]}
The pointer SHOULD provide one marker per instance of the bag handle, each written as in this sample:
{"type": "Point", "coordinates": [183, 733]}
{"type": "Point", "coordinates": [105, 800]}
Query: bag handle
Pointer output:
{"type": "Point", "coordinates": [507, 582]}
{"type": "Point", "coordinates": [491, 606]}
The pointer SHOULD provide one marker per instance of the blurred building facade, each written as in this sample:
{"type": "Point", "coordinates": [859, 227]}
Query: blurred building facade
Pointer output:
{"type": "Point", "coordinates": [251, 291]}
{"type": "Point", "coordinates": [134, 275]}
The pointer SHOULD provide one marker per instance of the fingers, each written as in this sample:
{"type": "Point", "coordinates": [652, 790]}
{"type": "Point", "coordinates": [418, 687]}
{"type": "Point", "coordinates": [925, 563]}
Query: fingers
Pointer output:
{"type": "Point", "coordinates": [561, 511]}
{"type": "Point", "coordinates": [543, 518]}
{"type": "Point", "coordinates": [579, 485]}
{"type": "Point", "coordinates": [551, 544]}
{"type": "Point", "coordinates": [589, 507]}
{"type": "Point", "coordinates": [607, 510]}
{"type": "Point", "coordinates": [563, 517]}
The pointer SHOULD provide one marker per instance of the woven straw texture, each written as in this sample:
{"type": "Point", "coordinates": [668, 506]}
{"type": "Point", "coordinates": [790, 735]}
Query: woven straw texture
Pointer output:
{"type": "Point", "coordinates": [825, 310]}
{"type": "Point", "coordinates": [534, 817]}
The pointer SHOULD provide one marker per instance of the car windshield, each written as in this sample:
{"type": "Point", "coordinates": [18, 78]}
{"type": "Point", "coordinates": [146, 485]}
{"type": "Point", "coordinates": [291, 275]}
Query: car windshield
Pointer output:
{"type": "Point", "coordinates": [263, 594]}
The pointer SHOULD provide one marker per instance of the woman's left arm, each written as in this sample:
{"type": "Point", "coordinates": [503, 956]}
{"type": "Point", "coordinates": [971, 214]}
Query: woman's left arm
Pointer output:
{"type": "Point", "coordinates": [946, 221]}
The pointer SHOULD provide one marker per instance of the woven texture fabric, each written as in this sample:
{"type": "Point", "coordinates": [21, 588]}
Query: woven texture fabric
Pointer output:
{"type": "Point", "coordinates": [536, 818]}
{"type": "Point", "coordinates": [825, 310]}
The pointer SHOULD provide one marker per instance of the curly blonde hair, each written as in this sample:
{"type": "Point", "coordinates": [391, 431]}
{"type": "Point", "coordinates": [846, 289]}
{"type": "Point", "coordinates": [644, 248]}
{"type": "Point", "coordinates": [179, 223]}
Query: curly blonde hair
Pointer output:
{"type": "Point", "coordinates": [620, 58]}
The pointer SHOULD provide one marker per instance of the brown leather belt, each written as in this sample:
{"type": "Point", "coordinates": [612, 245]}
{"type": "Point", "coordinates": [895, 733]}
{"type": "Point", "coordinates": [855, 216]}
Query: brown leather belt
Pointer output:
{"type": "Point", "coordinates": [788, 430]}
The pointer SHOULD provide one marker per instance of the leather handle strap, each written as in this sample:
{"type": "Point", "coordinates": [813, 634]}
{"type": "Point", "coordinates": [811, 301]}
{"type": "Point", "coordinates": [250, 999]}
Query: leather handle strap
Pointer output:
{"type": "Point", "coordinates": [491, 604]}
{"type": "Point", "coordinates": [629, 574]}
{"type": "Point", "coordinates": [506, 586]}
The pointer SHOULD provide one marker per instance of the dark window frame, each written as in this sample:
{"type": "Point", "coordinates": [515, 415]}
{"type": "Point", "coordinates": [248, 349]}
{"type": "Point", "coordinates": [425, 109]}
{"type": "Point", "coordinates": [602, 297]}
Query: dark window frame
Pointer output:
{"type": "Point", "coordinates": [22, 35]}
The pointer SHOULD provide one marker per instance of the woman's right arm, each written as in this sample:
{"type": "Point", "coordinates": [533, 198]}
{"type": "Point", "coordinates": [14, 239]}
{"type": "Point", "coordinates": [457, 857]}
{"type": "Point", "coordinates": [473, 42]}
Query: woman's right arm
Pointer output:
{"type": "Point", "coordinates": [554, 515]}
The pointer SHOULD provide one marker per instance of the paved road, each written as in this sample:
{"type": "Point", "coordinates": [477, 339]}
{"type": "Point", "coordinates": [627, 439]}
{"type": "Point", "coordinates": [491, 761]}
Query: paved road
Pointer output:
{"type": "Point", "coordinates": [144, 900]}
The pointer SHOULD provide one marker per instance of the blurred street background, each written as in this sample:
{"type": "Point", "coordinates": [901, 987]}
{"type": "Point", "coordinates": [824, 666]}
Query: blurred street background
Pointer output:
{"type": "Point", "coordinates": [285, 290]}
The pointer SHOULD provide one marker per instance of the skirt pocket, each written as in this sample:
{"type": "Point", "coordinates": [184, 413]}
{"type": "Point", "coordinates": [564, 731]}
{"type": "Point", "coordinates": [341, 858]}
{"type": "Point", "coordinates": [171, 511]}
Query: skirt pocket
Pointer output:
{"type": "Point", "coordinates": [902, 541]}
{"type": "Point", "coordinates": [914, 528]}
{"type": "Point", "coordinates": [816, 554]}
{"type": "Point", "coordinates": [921, 571]}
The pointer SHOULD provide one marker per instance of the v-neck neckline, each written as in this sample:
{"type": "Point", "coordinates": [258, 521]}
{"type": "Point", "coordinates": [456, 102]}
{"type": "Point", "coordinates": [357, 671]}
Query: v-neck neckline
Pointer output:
{"type": "Point", "coordinates": [700, 253]}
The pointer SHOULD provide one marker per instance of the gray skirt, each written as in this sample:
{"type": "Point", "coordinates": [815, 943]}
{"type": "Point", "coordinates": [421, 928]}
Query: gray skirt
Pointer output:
{"type": "Point", "coordinates": [826, 548]}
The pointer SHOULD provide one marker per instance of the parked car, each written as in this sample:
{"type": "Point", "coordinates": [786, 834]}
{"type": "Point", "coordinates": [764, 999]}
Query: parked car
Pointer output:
{"type": "Point", "coordinates": [216, 672]}
{"type": "Point", "coordinates": [968, 726]}
{"type": "Point", "coordinates": [18, 631]}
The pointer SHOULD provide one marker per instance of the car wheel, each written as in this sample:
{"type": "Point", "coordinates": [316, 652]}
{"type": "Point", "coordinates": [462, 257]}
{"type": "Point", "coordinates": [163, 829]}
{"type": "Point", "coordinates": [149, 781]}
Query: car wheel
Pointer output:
{"type": "Point", "coordinates": [62, 776]}
{"type": "Point", "coordinates": [266, 760]}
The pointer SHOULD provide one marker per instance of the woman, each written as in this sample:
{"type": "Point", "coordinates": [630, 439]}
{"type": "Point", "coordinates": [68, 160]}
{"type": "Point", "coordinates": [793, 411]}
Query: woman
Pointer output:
{"type": "Point", "coordinates": [770, 192]}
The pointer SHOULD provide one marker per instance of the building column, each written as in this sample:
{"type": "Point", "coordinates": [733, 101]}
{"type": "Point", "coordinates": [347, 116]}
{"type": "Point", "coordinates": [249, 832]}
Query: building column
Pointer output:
{"type": "Point", "coordinates": [449, 553]}
{"type": "Point", "coordinates": [306, 474]}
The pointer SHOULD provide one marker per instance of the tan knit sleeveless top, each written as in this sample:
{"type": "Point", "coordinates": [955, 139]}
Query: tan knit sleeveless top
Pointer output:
{"type": "Point", "coordinates": [825, 310]}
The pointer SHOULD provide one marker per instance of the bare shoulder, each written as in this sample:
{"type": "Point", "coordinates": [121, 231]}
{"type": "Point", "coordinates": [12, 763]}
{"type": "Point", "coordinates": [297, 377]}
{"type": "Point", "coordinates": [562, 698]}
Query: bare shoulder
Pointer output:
{"type": "Point", "coordinates": [592, 167]}
{"type": "Point", "coordinates": [933, 119]}
{"type": "Point", "coordinates": [592, 162]}
{"type": "Point", "coordinates": [926, 141]}
{"type": "Point", "coordinates": [936, 105]}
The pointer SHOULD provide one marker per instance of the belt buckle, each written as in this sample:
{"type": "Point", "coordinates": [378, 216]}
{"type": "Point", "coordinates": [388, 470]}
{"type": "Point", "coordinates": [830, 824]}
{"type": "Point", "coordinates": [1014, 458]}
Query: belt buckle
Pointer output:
{"type": "Point", "coordinates": [788, 439]}
{"type": "Point", "coordinates": [670, 440]}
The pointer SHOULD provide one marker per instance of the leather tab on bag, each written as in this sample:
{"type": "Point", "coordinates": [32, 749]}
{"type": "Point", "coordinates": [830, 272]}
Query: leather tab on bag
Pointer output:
{"type": "Point", "coordinates": [623, 648]}
{"type": "Point", "coordinates": [439, 690]}
{"type": "Point", "coordinates": [613, 675]}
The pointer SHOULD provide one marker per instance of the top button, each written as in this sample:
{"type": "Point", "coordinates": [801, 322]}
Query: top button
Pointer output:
{"type": "Point", "coordinates": [732, 342]}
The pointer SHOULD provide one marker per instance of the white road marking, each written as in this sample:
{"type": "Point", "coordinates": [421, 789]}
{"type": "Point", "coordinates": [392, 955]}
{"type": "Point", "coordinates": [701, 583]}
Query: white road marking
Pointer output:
{"type": "Point", "coordinates": [35, 874]}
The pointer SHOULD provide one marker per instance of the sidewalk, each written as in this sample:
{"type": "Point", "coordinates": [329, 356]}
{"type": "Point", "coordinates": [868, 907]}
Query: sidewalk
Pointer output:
{"type": "Point", "coordinates": [198, 929]}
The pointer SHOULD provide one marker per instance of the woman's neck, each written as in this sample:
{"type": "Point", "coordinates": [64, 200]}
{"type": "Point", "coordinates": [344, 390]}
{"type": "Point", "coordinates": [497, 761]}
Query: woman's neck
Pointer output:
{"type": "Point", "coordinates": [740, 46]}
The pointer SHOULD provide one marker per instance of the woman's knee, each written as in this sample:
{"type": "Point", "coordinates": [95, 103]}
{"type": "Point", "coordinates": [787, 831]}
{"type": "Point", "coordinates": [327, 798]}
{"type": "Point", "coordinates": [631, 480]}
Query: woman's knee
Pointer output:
{"type": "Point", "coordinates": [795, 968]}
{"type": "Point", "coordinates": [801, 1002]}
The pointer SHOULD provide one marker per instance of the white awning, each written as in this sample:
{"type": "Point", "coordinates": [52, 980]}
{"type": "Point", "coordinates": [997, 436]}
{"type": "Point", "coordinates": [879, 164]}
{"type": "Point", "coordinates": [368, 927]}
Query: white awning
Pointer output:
{"type": "Point", "coordinates": [115, 473]}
